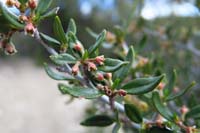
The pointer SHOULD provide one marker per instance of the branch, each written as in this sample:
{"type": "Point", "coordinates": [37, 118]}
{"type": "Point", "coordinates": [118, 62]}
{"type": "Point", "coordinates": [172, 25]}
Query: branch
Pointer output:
{"type": "Point", "coordinates": [104, 98]}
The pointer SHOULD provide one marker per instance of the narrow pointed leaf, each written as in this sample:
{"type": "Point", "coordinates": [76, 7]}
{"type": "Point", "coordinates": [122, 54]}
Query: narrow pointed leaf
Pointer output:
{"type": "Point", "coordinates": [43, 5]}
{"type": "Point", "coordinates": [78, 91]}
{"type": "Point", "coordinates": [55, 75]}
{"type": "Point", "coordinates": [98, 120]}
{"type": "Point", "coordinates": [194, 113]}
{"type": "Point", "coordinates": [71, 27]}
{"type": "Point", "coordinates": [111, 65]}
{"type": "Point", "coordinates": [160, 107]}
{"type": "Point", "coordinates": [58, 31]}
{"type": "Point", "coordinates": [51, 13]}
{"type": "Point", "coordinates": [123, 72]}
{"type": "Point", "coordinates": [62, 59]}
{"type": "Point", "coordinates": [142, 85]}
{"type": "Point", "coordinates": [92, 33]}
{"type": "Point", "coordinates": [133, 113]}
{"type": "Point", "coordinates": [170, 86]}
{"type": "Point", "coordinates": [181, 93]}
{"type": "Point", "coordinates": [50, 41]}
{"type": "Point", "coordinates": [98, 42]}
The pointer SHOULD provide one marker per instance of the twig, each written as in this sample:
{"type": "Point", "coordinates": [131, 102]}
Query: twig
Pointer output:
{"type": "Point", "coordinates": [103, 98]}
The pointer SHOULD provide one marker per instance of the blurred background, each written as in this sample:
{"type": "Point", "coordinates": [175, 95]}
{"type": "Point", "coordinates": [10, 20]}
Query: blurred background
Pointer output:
{"type": "Point", "coordinates": [165, 31]}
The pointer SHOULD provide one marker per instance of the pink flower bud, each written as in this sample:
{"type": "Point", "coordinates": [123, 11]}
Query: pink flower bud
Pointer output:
{"type": "Point", "coordinates": [32, 4]}
{"type": "Point", "coordinates": [100, 77]}
{"type": "Point", "coordinates": [91, 66]}
{"type": "Point", "coordinates": [184, 109]}
{"type": "Point", "coordinates": [75, 69]}
{"type": "Point", "coordinates": [122, 92]}
{"type": "Point", "coordinates": [78, 47]}
{"type": "Point", "coordinates": [100, 59]}
{"type": "Point", "coordinates": [29, 28]}
{"type": "Point", "coordinates": [23, 18]}
{"type": "Point", "coordinates": [161, 86]}
{"type": "Point", "coordinates": [108, 75]}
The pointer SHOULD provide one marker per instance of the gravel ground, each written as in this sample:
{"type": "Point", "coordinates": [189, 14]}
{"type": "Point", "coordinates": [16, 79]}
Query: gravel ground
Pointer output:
{"type": "Point", "coordinates": [31, 103]}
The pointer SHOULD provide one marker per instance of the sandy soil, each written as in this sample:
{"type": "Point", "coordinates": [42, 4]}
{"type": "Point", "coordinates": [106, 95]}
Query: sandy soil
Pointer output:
{"type": "Point", "coordinates": [31, 103]}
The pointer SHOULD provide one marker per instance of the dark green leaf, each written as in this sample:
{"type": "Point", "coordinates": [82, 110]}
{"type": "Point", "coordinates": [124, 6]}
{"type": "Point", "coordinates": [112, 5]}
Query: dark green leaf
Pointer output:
{"type": "Point", "coordinates": [133, 113]}
{"type": "Point", "coordinates": [111, 65]}
{"type": "Point", "coordinates": [55, 75]}
{"type": "Point", "coordinates": [161, 108]}
{"type": "Point", "coordinates": [58, 31]}
{"type": "Point", "coordinates": [123, 72]}
{"type": "Point", "coordinates": [64, 58]}
{"type": "Point", "coordinates": [72, 26]}
{"type": "Point", "coordinates": [50, 41]}
{"type": "Point", "coordinates": [23, 1]}
{"type": "Point", "coordinates": [181, 93]}
{"type": "Point", "coordinates": [170, 86]}
{"type": "Point", "coordinates": [98, 42]}
{"type": "Point", "coordinates": [50, 13]}
{"type": "Point", "coordinates": [194, 113]}
{"type": "Point", "coordinates": [43, 5]}
{"type": "Point", "coordinates": [98, 120]}
{"type": "Point", "coordinates": [142, 85]}
{"type": "Point", "coordinates": [78, 91]}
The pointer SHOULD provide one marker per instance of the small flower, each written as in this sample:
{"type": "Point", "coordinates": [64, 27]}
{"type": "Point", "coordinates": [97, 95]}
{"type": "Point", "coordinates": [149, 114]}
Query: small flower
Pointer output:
{"type": "Point", "coordinates": [100, 59]}
{"type": "Point", "coordinates": [108, 75]}
{"type": "Point", "coordinates": [110, 37]}
{"type": "Point", "coordinates": [10, 3]}
{"type": "Point", "coordinates": [122, 92]}
{"type": "Point", "coordinates": [91, 66]}
{"type": "Point", "coordinates": [75, 69]}
{"type": "Point", "coordinates": [32, 4]}
{"type": "Point", "coordinates": [23, 18]}
{"type": "Point", "coordinates": [30, 29]}
{"type": "Point", "coordinates": [100, 77]}
{"type": "Point", "coordinates": [161, 86]}
{"type": "Point", "coordinates": [78, 47]}
{"type": "Point", "coordinates": [184, 109]}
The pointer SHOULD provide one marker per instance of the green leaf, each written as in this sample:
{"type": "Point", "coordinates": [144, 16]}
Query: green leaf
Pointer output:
{"type": "Point", "coordinates": [23, 1]}
{"type": "Point", "coordinates": [58, 31]}
{"type": "Point", "coordinates": [43, 5]}
{"type": "Point", "coordinates": [161, 108]}
{"type": "Point", "coordinates": [50, 41]}
{"type": "Point", "coordinates": [64, 58]}
{"type": "Point", "coordinates": [170, 86]}
{"type": "Point", "coordinates": [55, 75]}
{"type": "Point", "coordinates": [72, 26]}
{"type": "Point", "coordinates": [123, 72]}
{"type": "Point", "coordinates": [53, 12]}
{"type": "Point", "coordinates": [133, 113]}
{"type": "Point", "coordinates": [193, 113]}
{"type": "Point", "coordinates": [142, 85]}
{"type": "Point", "coordinates": [98, 120]}
{"type": "Point", "coordinates": [78, 91]}
{"type": "Point", "coordinates": [11, 18]}
{"type": "Point", "coordinates": [181, 93]}
{"type": "Point", "coordinates": [98, 42]}
{"type": "Point", "coordinates": [111, 65]}
{"type": "Point", "coordinates": [92, 33]}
